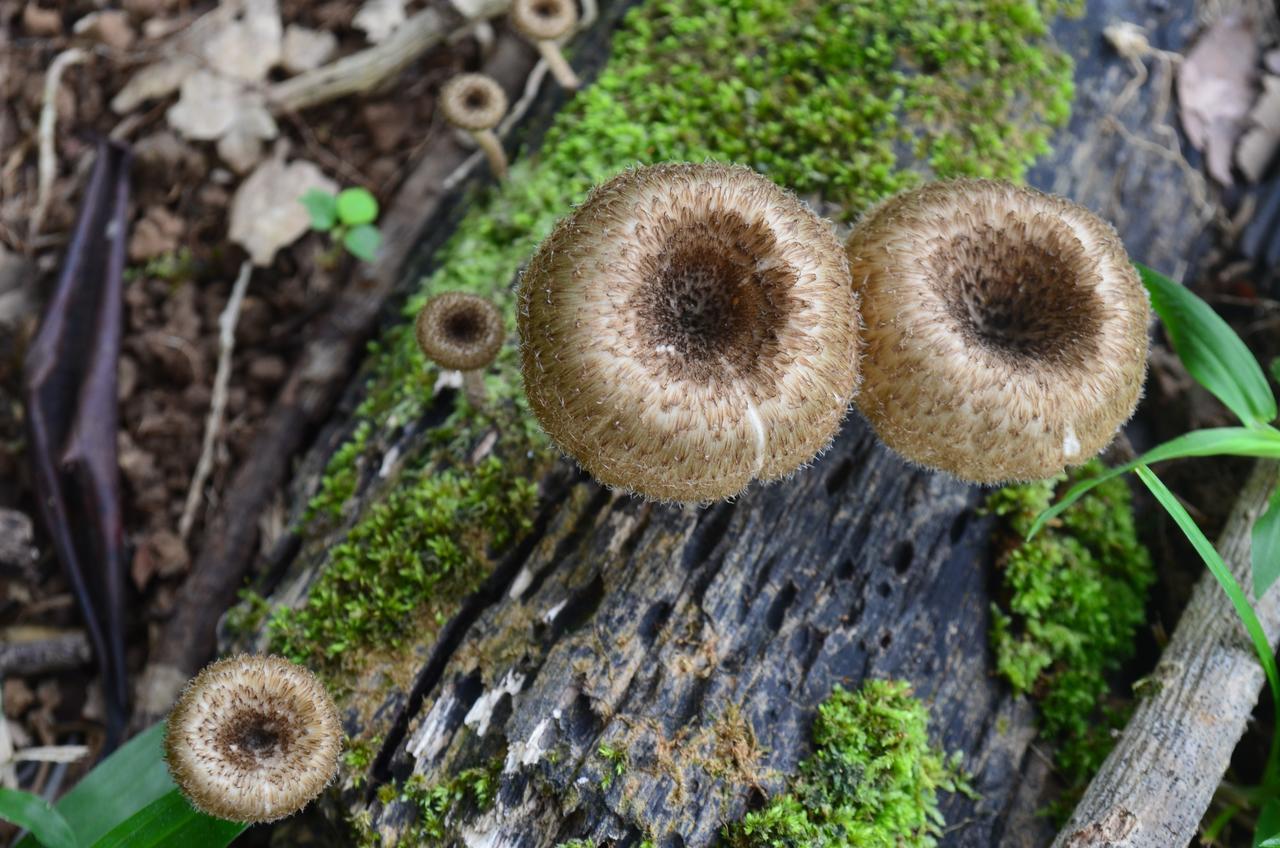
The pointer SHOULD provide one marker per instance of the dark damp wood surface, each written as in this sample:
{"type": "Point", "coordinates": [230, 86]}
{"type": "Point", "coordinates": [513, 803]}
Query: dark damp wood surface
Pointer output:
{"type": "Point", "coordinates": [657, 630]}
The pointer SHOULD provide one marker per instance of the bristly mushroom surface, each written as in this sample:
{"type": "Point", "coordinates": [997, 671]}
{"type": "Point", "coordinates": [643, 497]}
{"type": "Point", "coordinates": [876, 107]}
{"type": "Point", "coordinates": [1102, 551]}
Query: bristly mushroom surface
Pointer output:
{"type": "Point", "coordinates": [544, 22]}
{"type": "Point", "coordinates": [689, 328]}
{"type": "Point", "coordinates": [476, 104]}
{"type": "Point", "coordinates": [253, 739]}
{"type": "Point", "coordinates": [1005, 330]}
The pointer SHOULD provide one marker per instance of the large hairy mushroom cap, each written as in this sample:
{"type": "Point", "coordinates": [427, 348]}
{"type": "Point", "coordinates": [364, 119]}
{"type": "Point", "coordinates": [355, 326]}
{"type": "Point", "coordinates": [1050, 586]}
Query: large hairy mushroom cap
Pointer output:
{"type": "Point", "coordinates": [1005, 329]}
{"type": "Point", "coordinates": [544, 20]}
{"type": "Point", "coordinates": [253, 739]}
{"type": "Point", "coordinates": [473, 102]}
{"type": "Point", "coordinates": [460, 331]}
{"type": "Point", "coordinates": [687, 329]}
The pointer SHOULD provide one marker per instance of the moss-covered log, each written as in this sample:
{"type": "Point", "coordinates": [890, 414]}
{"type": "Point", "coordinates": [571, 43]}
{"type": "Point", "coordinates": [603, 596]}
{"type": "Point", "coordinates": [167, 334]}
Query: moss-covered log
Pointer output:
{"type": "Point", "coordinates": [525, 659]}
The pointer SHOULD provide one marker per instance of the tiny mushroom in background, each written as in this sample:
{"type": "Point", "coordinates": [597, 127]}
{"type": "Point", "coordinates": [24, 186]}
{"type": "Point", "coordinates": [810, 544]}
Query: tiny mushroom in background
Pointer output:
{"type": "Point", "coordinates": [476, 103]}
{"type": "Point", "coordinates": [1005, 330]}
{"type": "Point", "coordinates": [253, 739]}
{"type": "Point", "coordinates": [462, 332]}
{"type": "Point", "coordinates": [689, 328]}
{"type": "Point", "coordinates": [544, 22]}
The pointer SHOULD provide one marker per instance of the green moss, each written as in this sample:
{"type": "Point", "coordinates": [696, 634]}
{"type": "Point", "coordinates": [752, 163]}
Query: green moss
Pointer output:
{"type": "Point", "coordinates": [1070, 603]}
{"type": "Point", "coordinates": [341, 477]}
{"type": "Point", "coordinates": [846, 102]}
{"type": "Point", "coordinates": [470, 792]}
{"type": "Point", "coordinates": [615, 764]}
{"type": "Point", "coordinates": [872, 782]}
{"type": "Point", "coordinates": [410, 558]}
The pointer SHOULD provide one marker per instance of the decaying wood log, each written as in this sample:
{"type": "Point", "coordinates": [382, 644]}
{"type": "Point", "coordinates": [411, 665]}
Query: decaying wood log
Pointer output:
{"type": "Point", "coordinates": [1154, 788]}
{"type": "Point", "coordinates": [700, 641]}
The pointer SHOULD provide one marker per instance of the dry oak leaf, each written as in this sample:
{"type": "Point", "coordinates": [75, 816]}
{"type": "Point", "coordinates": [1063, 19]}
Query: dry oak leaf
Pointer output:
{"type": "Point", "coordinates": [267, 213]}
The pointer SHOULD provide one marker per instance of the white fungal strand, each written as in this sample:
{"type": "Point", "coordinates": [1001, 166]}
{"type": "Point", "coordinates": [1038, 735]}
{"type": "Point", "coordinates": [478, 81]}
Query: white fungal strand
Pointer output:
{"type": "Point", "coordinates": [1005, 329]}
{"type": "Point", "coordinates": [688, 329]}
{"type": "Point", "coordinates": [253, 739]}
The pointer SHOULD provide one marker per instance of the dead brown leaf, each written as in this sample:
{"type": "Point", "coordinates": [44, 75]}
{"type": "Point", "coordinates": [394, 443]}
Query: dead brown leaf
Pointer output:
{"type": "Point", "coordinates": [1216, 87]}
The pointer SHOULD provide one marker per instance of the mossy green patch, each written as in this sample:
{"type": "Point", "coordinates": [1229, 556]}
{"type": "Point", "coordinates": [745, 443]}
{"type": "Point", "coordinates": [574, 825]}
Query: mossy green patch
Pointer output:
{"type": "Point", "coordinates": [1070, 603]}
{"type": "Point", "coordinates": [414, 555]}
{"type": "Point", "coordinates": [872, 782]}
{"type": "Point", "coordinates": [843, 102]}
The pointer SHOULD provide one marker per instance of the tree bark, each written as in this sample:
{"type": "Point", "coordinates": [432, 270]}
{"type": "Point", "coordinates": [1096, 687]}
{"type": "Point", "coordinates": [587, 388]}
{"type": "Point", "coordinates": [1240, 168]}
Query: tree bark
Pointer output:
{"type": "Point", "coordinates": [669, 633]}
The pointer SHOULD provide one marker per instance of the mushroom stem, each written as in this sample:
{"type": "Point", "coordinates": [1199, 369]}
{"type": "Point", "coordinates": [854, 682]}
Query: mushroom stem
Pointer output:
{"type": "Point", "coordinates": [558, 65]}
{"type": "Point", "coordinates": [488, 141]}
{"type": "Point", "coordinates": [473, 385]}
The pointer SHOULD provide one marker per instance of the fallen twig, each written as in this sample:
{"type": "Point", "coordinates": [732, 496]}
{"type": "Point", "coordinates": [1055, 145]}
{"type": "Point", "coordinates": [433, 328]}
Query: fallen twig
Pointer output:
{"type": "Point", "coordinates": [1156, 784]}
{"type": "Point", "coordinates": [217, 406]}
{"type": "Point", "coordinates": [47, 164]}
{"type": "Point", "coordinates": [371, 67]}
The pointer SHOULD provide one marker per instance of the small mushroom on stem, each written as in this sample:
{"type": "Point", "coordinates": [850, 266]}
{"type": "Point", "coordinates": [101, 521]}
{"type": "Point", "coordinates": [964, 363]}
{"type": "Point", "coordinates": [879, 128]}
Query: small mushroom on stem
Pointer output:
{"type": "Point", "coordinates": [462, 332]}
{"type": "Point", "coordinates": [688, 329]}
{"type": "Point", "coordinates": [544, 22]}
{"type": "Point", "coordinates": [476, 103]}
{"type": "Point", "coordinates": [253, 739]}
{"type": "Point", "coordinates": [1005, 329]}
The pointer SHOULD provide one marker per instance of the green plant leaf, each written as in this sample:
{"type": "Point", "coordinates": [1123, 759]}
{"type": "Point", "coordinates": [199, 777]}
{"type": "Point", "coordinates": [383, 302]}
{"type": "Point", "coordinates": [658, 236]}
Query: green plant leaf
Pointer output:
{"type": "Point", "coordinates": [1267, 834]}
{"type": "Point", "coordinates": [1265, 543]}
{"type": "Point", "coordinates": [171, 820]}
{"type": "Point", "coordinates": [1229, 585]}
{"type": "Point", "coordinates": [323, 208]}
{"type": "Point", "coordinates": [363, 242]}
{"type": "Point", "coordinates": [116, 788]}
{"type": "Point", "coordinates": [356, 206]}
{"type": "Point", "coordinates": [1215, 441]}
{"type": "Point", "coordinates": [35, 814]}
{"type": "Point", "coordinates": [1210, 350]}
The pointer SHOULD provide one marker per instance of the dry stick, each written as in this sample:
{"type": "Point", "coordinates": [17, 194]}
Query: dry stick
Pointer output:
{"type": "Point", "coordinates": [1155, 786]}
{"type": "Point", "coordinates": [47, 168]}
{"type": "Point", "coordinates": [230, 537]}
{"type": "Point", "coordinates": [217, 406]}
{"type": "Point", "coordinates": [369, 68]}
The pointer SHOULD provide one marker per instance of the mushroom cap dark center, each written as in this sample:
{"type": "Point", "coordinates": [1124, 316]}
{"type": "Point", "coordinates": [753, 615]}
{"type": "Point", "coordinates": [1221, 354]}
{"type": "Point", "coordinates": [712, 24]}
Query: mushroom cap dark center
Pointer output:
{"type": "Point", "coordinates": [713, 300]}
{"type": "Point", "coordinates": [464, 327]}
{"type": "Point", "coordinates": [1025, 298]}
{"type": "Point", "coordinates": [476, 98]}
{"type": "Point", "coordinates": [251, 736]}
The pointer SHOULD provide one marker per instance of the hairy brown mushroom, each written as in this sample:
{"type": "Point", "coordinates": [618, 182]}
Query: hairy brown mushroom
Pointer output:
{"type": "Point", "coordinates": [1005, 329]}
{"type": "Point", "coordinates": [475, 103]}
{"type": "Point", "coordinates": [689, 328]}
{"type": "Point", "coordinates": [544, 22]}
{"type": "Point", "coordinates": [462, 332]}
{"type": "Point", "coordinates": [253, 739]}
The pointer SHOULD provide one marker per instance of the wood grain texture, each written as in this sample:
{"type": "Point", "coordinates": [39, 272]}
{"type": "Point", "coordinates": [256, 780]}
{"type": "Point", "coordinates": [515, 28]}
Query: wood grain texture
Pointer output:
{"type": "Point", "coordinates": [1157, 782]}
{"type": "Point", "coordinates": [701, 641]}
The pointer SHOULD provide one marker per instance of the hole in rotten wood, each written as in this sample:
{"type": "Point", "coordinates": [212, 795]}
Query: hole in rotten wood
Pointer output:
{"type": "Point", "coordinates": [654, 619]}
{"type": "Point", "coordinates": [579, 609]}
{"type": "Point", "coordinates": [712, 527]}
{"type": "Point", "coordinates": [958, 526]}
{"type": "Point", "coordinates": [902, 557]}
{"type": "Point", "coordinates": [845, 569]}
{"type": "Point", "coordinates": [886, 640]}
{"type": "Point", "coordinates": [884, 589]}
{"type": "Point", "coordinates": [778, 609]}
{"type": "Point", "coordinates": [837, 479]}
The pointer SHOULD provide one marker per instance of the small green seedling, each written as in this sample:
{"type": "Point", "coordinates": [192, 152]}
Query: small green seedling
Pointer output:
{"type": "Point", "coordinates": [348, 219]}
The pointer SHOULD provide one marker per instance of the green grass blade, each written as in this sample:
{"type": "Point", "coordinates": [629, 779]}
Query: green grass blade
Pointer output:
{"type": "Point", "coordinates": [171, 820]}
{"type": "Point", "coordinates": [35, 814]}
{"type": "Point", "coordinates": [1211, 351]}
{"type": "Point", "coordinates": [1229, 585]}
{"type": "Point", "coordinates": [118, 787]}
{"type": "Point", "coordinates": [1235, 441]}
{"type": "Point", "coordinates": [1266, 547]}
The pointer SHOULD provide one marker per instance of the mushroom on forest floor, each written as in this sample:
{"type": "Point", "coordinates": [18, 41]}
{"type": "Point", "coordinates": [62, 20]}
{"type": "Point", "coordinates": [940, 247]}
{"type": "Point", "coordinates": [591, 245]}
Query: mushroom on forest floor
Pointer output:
{"type": "Point", "coordinates": [544, 22]}
{"type": "Point", "coordinates": [689, 328]}
{"type": "Point", "coordinates": [253, 739]}
{"type": "Point", "coordinates": [462, 332]}
{"type": "Point", "coordinates": [476, 104]}
{"type": "Point", "coordinates": [1005, 330]}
